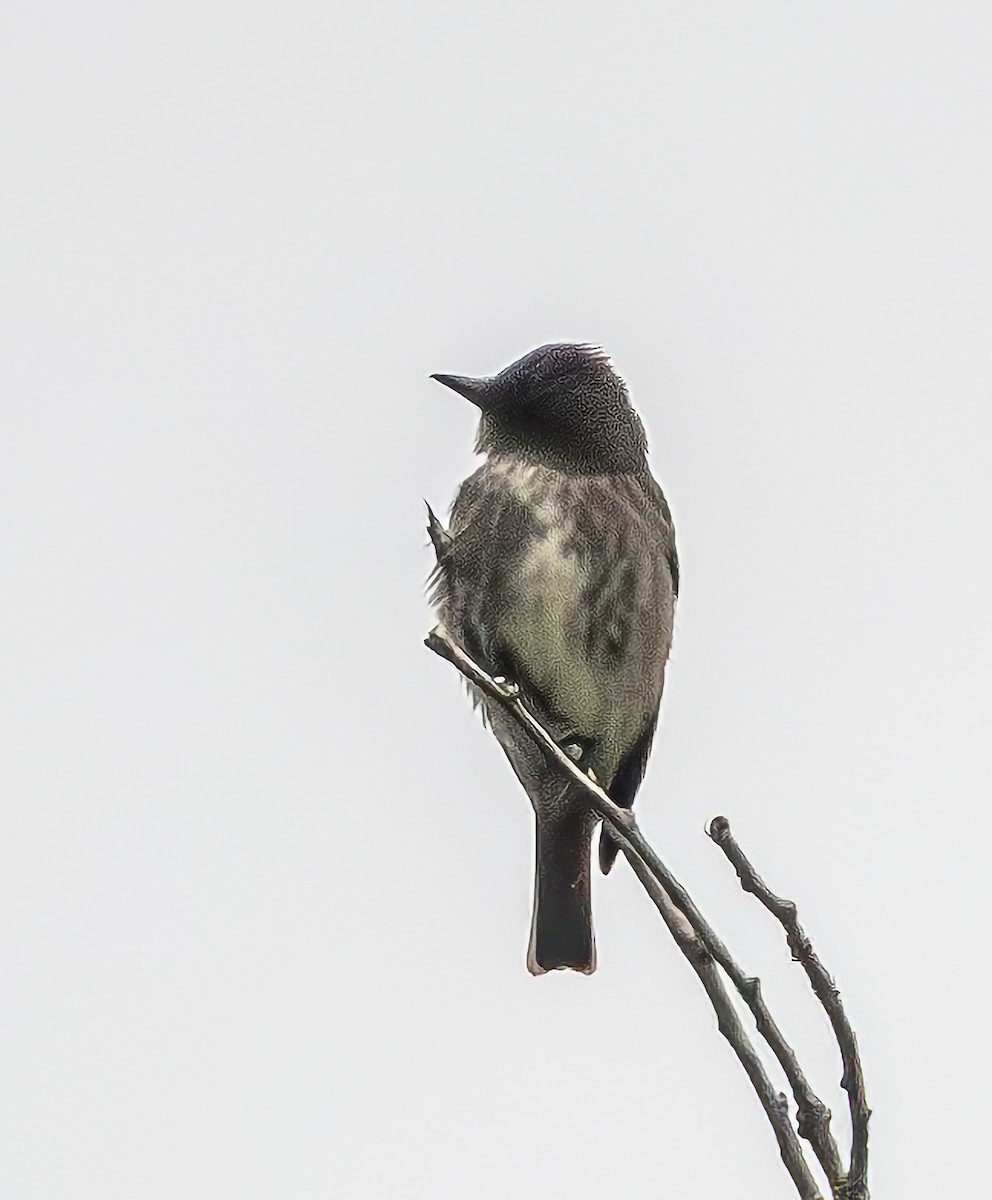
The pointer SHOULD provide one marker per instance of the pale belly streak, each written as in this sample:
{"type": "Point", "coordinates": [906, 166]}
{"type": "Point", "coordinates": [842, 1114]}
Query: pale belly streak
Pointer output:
{"type": "Point", "coordinates": [547, 622]}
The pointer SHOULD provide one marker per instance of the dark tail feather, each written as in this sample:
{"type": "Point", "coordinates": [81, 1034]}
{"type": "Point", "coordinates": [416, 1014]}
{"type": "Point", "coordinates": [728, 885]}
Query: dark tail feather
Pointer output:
{"type": "Point", "coordinates": [561, 930]}
{"type": "Point", "coordinates": [609, 847]}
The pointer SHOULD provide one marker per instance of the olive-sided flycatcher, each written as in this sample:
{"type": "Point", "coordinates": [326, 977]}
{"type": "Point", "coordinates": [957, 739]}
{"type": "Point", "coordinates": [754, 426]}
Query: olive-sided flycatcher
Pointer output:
{"type": "Point", "coordinates": [559, 573]}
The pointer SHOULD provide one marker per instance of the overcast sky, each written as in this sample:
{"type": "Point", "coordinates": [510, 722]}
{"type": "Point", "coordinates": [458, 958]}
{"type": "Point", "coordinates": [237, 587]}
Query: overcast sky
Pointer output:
{"type": "Point", "coordinates": [264, 879]}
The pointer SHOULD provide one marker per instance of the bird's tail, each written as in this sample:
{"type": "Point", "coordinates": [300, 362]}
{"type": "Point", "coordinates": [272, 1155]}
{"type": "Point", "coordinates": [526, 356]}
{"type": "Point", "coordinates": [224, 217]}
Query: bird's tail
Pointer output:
{"type": "Point", "coordinates": [561, 930]}
{"type": "Point", "coordinates": [609, 848]}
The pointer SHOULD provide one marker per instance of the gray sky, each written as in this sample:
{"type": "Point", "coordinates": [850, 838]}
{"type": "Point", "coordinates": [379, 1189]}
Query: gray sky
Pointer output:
{"type": "Point", "coordinates": [264, 880]}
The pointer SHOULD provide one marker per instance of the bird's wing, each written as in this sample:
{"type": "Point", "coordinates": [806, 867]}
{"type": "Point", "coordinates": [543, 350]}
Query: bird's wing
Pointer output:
{"type": "Point", "coordinates": [624, 788]}
{"type": "Point", "coordinates": [479, 561]}
{"type": "Point", "coordinates": [660, 504]}
{"type": "Point", "coordinates": [440, 537]}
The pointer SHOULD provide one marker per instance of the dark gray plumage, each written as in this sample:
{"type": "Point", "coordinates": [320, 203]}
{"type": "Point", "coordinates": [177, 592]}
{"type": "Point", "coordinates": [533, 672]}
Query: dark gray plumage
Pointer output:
{"type": "Point", "coordinates": [559, 572]}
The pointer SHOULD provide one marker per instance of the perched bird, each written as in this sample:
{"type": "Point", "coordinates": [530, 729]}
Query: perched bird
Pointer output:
{"type": "Point", "coordinates": [559, 573]}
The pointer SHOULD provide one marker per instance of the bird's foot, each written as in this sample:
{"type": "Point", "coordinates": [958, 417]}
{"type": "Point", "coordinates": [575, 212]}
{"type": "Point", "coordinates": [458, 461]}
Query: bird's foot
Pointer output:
{"type": "Point", "coordinates": [577, 747]}
{"type": "Point", "coordinates": [573, 749]}
{"type": "Point", "coordinates": [509, 689]}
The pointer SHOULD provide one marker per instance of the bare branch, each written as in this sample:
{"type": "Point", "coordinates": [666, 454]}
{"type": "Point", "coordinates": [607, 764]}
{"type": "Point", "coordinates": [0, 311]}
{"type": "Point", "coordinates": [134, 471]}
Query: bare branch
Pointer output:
{"type": "Point", "coordinates": [826, 991]}
{"type": "Point", "coordinates": [695, 938]}
{"type": "Point", "coordinates": [728, 1022]}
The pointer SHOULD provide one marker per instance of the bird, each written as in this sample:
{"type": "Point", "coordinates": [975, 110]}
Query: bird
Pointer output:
{"type": "Point", "coordinates": [559, 572]}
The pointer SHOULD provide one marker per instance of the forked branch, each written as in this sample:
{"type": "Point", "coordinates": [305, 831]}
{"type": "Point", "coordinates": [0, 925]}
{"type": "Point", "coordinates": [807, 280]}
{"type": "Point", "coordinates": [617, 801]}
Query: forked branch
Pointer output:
{"type": "Point", "coordinates": [852, 1081]}
{"type": "Point", "coordinates": [705, 951]}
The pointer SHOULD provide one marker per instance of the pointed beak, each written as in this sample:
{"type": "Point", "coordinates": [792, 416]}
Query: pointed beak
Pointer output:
{"type": "Point", "coordinates": [465, 385]}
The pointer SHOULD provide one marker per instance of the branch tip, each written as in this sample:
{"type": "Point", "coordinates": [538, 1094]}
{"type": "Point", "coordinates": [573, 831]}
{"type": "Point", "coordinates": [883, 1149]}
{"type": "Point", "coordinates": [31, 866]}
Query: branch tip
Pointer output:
{"type": "Point", "coordinates": [719, 828]}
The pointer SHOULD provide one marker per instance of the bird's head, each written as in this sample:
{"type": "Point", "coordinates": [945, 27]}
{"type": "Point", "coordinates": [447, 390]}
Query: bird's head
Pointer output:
{"type": "Point", "coordinates": [563, 405]}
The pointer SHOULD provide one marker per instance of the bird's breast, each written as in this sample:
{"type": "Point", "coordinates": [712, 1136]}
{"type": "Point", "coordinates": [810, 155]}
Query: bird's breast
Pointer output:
{"type": "Point", "coordinates": [562, 577]}
{"type": "Point", "coordinates": [548, 613]}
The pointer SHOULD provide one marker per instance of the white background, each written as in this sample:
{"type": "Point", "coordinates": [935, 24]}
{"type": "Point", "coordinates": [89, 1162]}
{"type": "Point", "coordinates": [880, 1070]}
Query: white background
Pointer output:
{"type": "Point", "coordinates": [264, 880]}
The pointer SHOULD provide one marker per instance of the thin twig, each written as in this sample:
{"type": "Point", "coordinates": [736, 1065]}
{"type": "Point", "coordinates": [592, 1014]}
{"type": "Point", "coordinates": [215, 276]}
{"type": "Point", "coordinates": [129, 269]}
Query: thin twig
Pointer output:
{"type": "Point", "coordinates": [729, 1023]}
{"type": "Point", "coordinates": [826, 991]}
{"type": "Point", "coordinates": [698, 942]}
